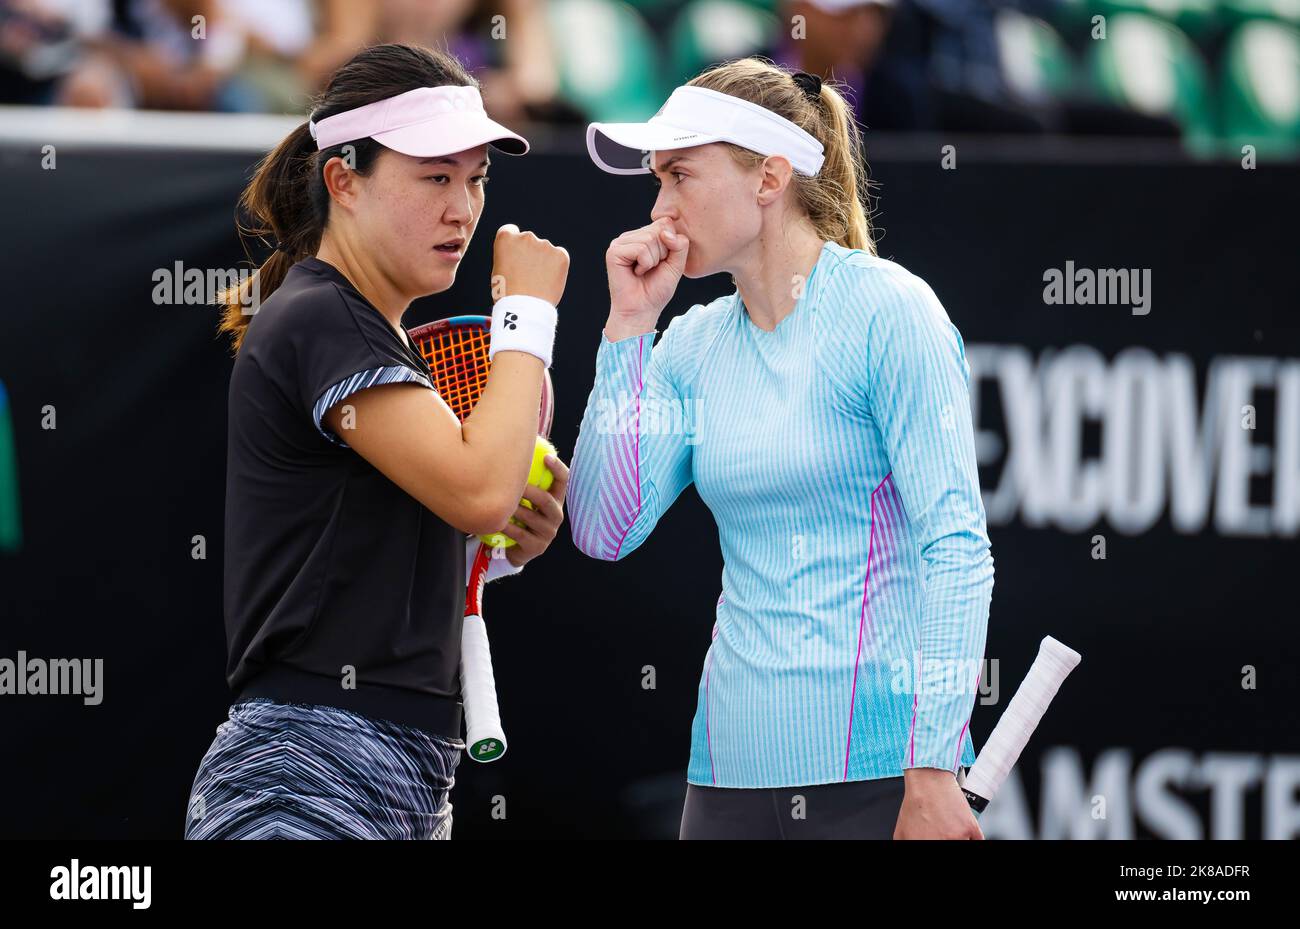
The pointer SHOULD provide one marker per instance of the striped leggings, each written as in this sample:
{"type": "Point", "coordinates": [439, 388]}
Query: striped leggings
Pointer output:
{"type": "Point", "coordinates": [290, 771]}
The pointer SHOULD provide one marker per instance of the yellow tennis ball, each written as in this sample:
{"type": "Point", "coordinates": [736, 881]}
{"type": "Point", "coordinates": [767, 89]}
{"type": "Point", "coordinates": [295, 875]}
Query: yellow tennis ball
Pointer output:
{"type": "Point", "coordinates": [539, 476]}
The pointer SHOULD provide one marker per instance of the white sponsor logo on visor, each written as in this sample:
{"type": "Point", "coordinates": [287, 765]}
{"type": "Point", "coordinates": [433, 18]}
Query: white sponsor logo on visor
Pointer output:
{"type": "Point", "coordinates": [697, 116]}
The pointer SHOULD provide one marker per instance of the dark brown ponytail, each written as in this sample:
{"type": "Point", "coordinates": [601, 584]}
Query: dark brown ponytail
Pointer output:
{"type": "Point", "coordinates": [286, 205]}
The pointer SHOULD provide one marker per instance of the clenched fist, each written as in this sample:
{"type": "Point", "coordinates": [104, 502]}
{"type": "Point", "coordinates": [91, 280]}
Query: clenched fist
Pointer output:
{"type": "Point", "coordinates": [644, 267]}
{"type": "Point", "coordinates": [934, 807]}
{"type": "Point", "coordinates": [525, 264]}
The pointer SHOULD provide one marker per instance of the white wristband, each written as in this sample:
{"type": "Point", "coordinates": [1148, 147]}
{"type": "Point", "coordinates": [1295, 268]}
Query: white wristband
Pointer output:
{"type": "Point", "coordinates": [498, 564]}
{"type": "Point", "coordinates": [521, 323]}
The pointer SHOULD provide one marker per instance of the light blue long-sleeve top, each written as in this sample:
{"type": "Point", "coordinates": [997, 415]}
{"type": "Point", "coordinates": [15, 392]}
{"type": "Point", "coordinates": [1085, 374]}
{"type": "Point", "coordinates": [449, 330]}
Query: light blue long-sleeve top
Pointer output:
{"type": "Point", "coordinates": [836, 454]}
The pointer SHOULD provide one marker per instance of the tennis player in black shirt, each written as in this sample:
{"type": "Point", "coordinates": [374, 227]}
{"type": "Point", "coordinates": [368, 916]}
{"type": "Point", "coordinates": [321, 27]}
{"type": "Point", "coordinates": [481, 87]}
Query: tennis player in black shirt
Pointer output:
{"type": "Point", "coordinates": [351, 486]}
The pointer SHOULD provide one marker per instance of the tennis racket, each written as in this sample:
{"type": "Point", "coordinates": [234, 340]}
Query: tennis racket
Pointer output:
{"type": "Point", "coordinates": [456, 351]}
{"type": "Point", "coordinates": [1018, 722]}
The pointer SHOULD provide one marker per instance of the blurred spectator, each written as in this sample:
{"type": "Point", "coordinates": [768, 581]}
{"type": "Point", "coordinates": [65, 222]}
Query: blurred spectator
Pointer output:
{"type": "Point", "coordinates": [42, 47]}
{"type": "Point", "coordinates": [944, 56]}
{"type": "Point", "coordinates": [256, 55]}
{"type": "Point", "coordinates": [178, 54]}
{"type": "Point", "coordinates": [835, 38]}
{"type": "Point", "coordinates": [935, 66]}
{"type": "Point", "coordinates": [241, 55]}
{"type": "Point", "coordinates": [503, 43]}
{"type": "Point", "coordinates": [167, 54]}
{"type": "Point", "coordinates": [295, 45]}
{"type": "Point", "coordinates": [910, 65]}
{"type": "Point", "coordinates": [926, 65]}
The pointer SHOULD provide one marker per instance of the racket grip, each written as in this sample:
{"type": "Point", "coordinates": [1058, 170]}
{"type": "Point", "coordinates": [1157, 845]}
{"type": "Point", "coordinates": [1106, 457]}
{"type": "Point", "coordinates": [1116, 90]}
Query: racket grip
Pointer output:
{"type": "Point", "coordinates": [1002, 749]}
{"type": "Point", "coordinates": [484, 737]}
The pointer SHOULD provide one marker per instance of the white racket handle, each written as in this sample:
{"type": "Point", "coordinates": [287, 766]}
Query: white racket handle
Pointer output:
{"type": "Point", "coordinates": [485, 739]}
{"type": "Point", "coordinates": [1002, 749]}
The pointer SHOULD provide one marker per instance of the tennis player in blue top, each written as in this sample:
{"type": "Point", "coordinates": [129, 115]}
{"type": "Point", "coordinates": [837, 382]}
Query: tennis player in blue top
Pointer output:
{"type": "Point", "coordinates": [822, 411]}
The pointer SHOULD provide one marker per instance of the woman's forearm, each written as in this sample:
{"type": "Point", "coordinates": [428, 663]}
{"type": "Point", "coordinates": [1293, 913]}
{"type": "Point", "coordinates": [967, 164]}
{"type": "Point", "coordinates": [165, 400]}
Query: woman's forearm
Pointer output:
{"type": "Point", "coordinates": [501, 432]}
{"type": "Point", "coordinates": [624, 475]}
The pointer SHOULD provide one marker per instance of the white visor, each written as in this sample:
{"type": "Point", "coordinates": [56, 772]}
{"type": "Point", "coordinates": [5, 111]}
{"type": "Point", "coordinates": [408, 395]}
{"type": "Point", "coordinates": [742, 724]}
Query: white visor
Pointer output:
{"type": "Point", "coordinates": [697, 116]}
{"type": "Point", "coordinates": [424, 122]}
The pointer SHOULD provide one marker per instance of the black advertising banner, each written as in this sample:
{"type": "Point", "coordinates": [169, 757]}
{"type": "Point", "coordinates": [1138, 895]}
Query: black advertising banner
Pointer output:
{"type": "Point", "coordinates": [1135, 361]}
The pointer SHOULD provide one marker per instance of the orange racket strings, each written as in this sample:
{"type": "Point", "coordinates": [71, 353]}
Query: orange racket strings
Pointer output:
{"type": "Point", "coordinates": [458, 358]}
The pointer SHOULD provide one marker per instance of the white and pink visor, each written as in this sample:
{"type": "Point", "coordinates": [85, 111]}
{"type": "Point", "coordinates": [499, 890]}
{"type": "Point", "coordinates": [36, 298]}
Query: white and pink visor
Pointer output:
{"type": "Point", "coordinates": [425, 122]}
{"type": "Point", "coordinates": [697, 116]}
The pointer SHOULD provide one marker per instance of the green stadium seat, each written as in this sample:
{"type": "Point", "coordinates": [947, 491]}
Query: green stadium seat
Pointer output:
{"type": "Point", "coordinates": [711, 31]}
{"type": "Point", "coordinates": [657, 10]}
{"type": "Point", "coordinates": [1198, 18]}
{"type": "Point", "coordinates": [1035, 61]}
{"type": "Point", "coordinates": [1240, 11]}
{"type": "Point", "coordinates": [608, 59]}
{"type": "Point", "coordinates": [1152, 67]}
{"type": "Point", "coordinates": [1260, 88]}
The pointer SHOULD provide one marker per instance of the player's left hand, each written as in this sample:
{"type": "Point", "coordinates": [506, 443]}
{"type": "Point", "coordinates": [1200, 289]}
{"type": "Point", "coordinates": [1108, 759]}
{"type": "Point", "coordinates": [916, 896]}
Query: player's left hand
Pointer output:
{"type": "Point", "coordinates": [934, 807]}
{"type": "Point", "coordinates": [541, 524]}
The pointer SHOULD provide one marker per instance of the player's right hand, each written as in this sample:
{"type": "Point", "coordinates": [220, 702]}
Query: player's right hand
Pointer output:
{"type": "Point", "coordinates": [934, 807]}
{"type": "Point", "coordinates": [644, 266]}
{"type": "Point", "coordinates": [525, 264]}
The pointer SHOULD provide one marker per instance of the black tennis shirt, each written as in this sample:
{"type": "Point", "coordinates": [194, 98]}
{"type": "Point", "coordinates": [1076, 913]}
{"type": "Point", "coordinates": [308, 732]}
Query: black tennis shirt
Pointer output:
{"type": "Point", "coordinates": [329, 565]}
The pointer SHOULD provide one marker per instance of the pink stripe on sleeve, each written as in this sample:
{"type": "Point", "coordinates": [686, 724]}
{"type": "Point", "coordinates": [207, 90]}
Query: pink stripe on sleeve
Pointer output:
{"type": "Point", "coordinates": [957, 761]}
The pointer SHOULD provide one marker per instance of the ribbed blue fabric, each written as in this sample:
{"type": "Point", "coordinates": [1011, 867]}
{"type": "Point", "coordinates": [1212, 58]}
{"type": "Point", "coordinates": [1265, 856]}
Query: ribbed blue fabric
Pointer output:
{"type": "Point", "coordinates": [837, 456]}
